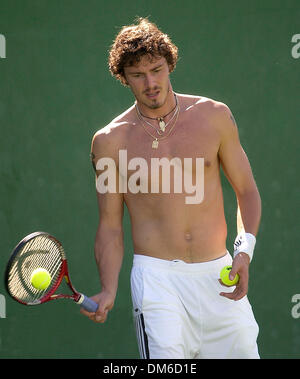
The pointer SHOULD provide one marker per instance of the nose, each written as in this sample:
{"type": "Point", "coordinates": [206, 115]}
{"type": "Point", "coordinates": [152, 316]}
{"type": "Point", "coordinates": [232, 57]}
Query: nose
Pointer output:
{"type": "Point", "coordinates": [149, 81]}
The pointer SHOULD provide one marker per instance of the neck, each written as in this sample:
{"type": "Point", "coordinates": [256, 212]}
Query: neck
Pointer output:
{"type": "Point", "coordinates": [159, 111]}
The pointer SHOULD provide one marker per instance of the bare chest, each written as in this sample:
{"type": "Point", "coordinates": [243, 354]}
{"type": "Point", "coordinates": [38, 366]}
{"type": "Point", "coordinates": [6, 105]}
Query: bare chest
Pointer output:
{"type": "Point", "coordinates": [189, 139]}
{"type": "Point", "coordinates": [179, 162]}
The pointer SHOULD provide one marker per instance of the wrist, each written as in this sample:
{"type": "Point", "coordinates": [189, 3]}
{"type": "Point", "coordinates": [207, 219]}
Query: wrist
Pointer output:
{"type": "Point", "coordinates": [244, 257]}
{"type": "Point", "coordinates": [109, 291]}
{"type": "Point", "coordinates": [244, 243]}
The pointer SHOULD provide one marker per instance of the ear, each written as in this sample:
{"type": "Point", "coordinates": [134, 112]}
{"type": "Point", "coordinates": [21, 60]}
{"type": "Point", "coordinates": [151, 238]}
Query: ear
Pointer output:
{"type": "Point", "coordinates": [171, 69]}
{"type": "Point", "coordinates": [124, 80]}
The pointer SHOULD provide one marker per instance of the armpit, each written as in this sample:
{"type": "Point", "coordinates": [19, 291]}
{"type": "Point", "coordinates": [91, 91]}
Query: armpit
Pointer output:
{"type": "Point", "coordinates": [92, 158]}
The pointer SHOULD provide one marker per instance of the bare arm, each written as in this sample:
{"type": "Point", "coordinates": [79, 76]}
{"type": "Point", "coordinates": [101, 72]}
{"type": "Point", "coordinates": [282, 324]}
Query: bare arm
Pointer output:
{"type": "Point", "coordinates": [109, 247]}
{"type": "Point", "coordinates": [239, 173]}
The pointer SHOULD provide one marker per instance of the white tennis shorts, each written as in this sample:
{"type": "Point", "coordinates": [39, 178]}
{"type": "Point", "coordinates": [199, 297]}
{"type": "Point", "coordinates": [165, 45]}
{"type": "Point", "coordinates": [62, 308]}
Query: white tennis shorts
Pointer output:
{"type": "Point", "coordinates": [179, 313]}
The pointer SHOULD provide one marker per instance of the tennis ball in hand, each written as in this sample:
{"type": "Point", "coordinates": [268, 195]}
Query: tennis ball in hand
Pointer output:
{"type": "Point", "coordinates": [224, 275]}
{"type": "Point", "coordinates": [40, 279]}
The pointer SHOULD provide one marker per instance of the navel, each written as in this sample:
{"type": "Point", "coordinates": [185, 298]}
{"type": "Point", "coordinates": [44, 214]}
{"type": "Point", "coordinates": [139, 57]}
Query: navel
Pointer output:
{"type": "Point", "coordinates": [187, 236]}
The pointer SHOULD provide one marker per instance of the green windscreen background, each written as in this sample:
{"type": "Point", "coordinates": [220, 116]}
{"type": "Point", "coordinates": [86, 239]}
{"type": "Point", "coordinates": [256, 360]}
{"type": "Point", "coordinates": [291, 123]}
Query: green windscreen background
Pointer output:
{"type": "Point", "coordinates": [56, 92]}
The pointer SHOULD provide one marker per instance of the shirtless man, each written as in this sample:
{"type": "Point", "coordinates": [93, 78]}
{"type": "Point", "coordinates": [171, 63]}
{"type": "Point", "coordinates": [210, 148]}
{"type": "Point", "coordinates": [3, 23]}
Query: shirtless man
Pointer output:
{"type": "Point", "coordinates": [181, 309]}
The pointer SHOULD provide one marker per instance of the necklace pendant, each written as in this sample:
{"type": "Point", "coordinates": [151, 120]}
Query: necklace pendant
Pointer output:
{"type": "Point", "coordinates": [155, 144]}
{"type": "Point", "coordinates": [162, 125]}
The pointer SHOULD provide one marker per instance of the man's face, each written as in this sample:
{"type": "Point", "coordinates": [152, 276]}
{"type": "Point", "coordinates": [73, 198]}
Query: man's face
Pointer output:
{"type": "Point", "coordinates": [149, 81]}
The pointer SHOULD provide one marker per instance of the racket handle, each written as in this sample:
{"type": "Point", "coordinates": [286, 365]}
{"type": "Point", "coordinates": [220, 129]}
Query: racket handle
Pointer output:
{"type": "Point", "coordinates": [87, 303]}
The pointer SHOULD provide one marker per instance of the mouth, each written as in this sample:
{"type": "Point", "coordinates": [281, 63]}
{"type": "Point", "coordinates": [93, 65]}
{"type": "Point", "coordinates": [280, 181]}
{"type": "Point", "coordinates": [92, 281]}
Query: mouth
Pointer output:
{"type": "Point", "coordinates": [152, 95]}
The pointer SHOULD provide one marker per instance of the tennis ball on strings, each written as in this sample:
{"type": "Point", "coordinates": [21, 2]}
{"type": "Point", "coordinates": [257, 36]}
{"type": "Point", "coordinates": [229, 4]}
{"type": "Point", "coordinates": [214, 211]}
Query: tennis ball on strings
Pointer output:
{"type": "Point", "coordinates": [40, 279]}
{"type": "Point", "coordinates": [224, 275]}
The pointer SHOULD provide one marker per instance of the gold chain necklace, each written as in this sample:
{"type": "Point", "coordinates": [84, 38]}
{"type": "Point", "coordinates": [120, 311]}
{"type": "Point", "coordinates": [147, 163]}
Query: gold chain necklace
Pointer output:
{"type": "Point", "coordinates": [156, 140]}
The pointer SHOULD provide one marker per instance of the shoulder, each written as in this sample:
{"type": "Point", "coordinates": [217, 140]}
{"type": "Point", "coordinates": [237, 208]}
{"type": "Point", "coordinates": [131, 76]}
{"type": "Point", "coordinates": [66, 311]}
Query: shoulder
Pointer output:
{"type": "Point", "coordinates": [112, 136]}
{"type": "Point", "coordinates": [216, 113]}
{"type": "Point", "coordinates": [221, 118]}
{"type": "Point", "coordinates": [210, 107]}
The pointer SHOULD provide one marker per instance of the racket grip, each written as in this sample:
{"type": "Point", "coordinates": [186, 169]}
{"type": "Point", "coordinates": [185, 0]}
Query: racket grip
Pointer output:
{"type": "Point", "coordinates": [88, 304]}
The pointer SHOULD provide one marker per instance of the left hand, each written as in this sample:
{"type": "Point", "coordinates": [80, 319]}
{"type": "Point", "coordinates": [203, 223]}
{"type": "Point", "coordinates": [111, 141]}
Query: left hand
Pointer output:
{"type": "Point", "coordinates": [240, 265]}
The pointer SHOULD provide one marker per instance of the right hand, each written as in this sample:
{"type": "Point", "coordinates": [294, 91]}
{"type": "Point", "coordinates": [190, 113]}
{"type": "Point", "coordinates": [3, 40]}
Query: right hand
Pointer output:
{"type": "Point", "coordinates": [105, 301]}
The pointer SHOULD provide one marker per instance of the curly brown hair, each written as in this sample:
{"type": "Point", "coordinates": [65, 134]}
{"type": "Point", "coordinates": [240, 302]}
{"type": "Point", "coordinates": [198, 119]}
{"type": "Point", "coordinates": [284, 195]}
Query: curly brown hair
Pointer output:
{"type": "Point", "coordinates": [135, 41]}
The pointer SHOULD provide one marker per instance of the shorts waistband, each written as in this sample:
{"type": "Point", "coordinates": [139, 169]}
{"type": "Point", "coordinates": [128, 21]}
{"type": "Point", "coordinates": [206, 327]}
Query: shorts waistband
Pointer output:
{"type": "Point", "coordinates": [179, 265]}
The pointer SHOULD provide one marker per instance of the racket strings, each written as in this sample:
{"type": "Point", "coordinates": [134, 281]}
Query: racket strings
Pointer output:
{"type": "Point", "coordinates": [40, 252]}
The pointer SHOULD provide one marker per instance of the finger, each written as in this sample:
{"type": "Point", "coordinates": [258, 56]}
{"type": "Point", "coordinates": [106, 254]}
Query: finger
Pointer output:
{"type": "Point", "coordinates": [240, 290]}
{"type": "Point", "coordinates": [94, 316]}
{"type": "Point", "coordinates": [238, 293]}
{"type": "Point", "coordinates": [100, 315]}
{"type": "Point", "coordinates": [233, 272]}
{"type": "Point", "coordinates": [101, 318]}
{"type": "Point", "coordinates": [85, 312]}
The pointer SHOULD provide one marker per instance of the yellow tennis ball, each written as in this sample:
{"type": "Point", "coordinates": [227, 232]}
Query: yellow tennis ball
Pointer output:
{"type": "Point", "coordinates": [224, 275]}
{"type": "Point", "coordinates": [40, 279]}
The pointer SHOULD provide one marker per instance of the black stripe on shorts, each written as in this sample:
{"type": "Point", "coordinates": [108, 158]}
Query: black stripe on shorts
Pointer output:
{"type": "Point", "coordinates": [142, 336]}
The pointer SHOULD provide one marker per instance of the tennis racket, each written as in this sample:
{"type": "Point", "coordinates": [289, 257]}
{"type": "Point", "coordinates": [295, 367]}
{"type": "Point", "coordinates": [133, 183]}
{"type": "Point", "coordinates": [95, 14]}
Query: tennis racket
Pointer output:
{"type": "Point", "coordinates": [40, 250]}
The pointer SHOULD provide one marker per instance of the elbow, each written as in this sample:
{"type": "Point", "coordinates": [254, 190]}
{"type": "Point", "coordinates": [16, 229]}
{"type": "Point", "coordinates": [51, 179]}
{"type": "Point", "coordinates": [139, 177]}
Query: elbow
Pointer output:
{"type": "Point", "coordinates": [248, 191]}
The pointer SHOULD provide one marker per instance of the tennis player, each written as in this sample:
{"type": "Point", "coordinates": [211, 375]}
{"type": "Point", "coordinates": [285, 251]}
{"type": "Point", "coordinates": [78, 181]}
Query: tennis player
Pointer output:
{"type": "Point", "coordinates": [180, 308]}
